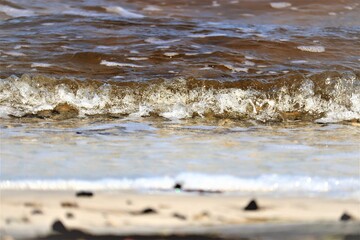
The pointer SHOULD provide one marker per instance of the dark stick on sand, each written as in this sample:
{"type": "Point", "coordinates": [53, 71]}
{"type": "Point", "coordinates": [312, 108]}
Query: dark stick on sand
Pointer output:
{"type": "Point", "coordinates": [84, 194]}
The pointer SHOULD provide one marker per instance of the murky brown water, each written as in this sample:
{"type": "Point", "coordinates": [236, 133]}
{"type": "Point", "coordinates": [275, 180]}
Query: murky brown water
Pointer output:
{"type": "Point", "coordinates": [307, 51]}
{"type": "Point", "coordinates": [113, 64]}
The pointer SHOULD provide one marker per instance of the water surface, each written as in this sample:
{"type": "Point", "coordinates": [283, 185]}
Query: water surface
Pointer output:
{"type": "Point", "coordinates": [238, 96]}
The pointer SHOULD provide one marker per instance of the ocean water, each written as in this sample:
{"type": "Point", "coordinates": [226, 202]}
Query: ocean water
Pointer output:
{"type": "Point", "coordinates": [241, 97]}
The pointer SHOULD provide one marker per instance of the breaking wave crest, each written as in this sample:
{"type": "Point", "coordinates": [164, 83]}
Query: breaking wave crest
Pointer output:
{"type": "Point", "coordinates": [322, 97]}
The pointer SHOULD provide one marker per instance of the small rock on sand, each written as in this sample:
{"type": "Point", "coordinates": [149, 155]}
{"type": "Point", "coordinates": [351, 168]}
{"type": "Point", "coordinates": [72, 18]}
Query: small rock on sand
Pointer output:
{"type": "Point", "coordinates": [58, 226]}
{"type": "Point", "coordinates": [84, 194]}
{"type": "Point", "coordinates": [148, 211]}
{"type": "Point", "coordinates": [346, 217]}
{"type": "Point", "coordinates": [69, 205]}
{"type": "Point", "coordinates": [252, 206]}
{"type": "Point", "coordinates": [36, 212]}
{"type": "Point", "coordinates": [69, 215]}
{"type": "Point", "coordinates": [179, 216]}
{"type": "Point", "coordinates": [177, 186]}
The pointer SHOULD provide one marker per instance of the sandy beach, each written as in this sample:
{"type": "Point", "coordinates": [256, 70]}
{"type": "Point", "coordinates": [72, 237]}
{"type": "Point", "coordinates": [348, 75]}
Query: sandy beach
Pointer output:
{"type": "Point", "coordinates": [29, 214]}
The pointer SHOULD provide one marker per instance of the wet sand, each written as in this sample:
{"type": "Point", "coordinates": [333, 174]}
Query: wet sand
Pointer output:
{"type": "Point", "coordinates": [177, 215]}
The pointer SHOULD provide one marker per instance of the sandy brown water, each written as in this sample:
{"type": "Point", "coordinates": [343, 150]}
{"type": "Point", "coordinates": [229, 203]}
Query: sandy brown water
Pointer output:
{"type": "Point", "coordinates": [254, 96]}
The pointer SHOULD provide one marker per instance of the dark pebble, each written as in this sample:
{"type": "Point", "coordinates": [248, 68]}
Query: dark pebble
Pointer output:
{"type": "Point", "coordinates": [148, 211]}
{"type": "Point", "coordinates": [252, 206]}
{"type": "Point", "coordinates": [78, 132]}
{"type": "Point", "coordinates": [69, 215]}
{"type": "Point", "coordinates": [36, 212]}
{"type": "Point", "coordinates": [179, 216]}
{"type": "Point", "coordinates": [29, 204]}
{"type": "Point", "coordinates": [177, 186]}
{"type": "Point", "coordinates": [58, 226]}
{"type": "Point", "coordinates": [84, 194]}
{"type": "Point", "coordinates": [346, 217]}
{"type": "Point", "coordinates": [69, 205]}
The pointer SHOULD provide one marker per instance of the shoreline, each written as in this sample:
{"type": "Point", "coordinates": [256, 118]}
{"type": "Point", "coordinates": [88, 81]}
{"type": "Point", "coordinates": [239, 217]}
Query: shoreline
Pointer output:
{"type": "Point", "coordinates": [29, 214]}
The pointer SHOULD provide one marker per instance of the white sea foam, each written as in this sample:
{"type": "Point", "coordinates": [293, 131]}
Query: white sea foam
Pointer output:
{"type": "Point", "coordinates": [44, 65]}
{"type": "Point", "coordinates": [247, 15]}
{"type": "Point", "coordinates": [250, 57]}
{"type": "Point", "coordinates": [79, 12]}
{"type": "Point", "coordinates": [108, 47]}
{"type": "Point", "coordinates": [215, 4]}
{"type": "Point", "coordinates": [14, 53]}
{"type": "Point", "coordinates": [171, 54]}
{"type": "Point", "coordinates": [236, 69]}
{"type": "Point", "coordinates": [249, 63]}
{"type": "Point", "coordinates": [163, 47]}
{"type": "Point", "coordinates": [14, 12]}
{"type": "Point", "coordinates": [191, 54]}
{"type": "Point", "coordinates": [155, 40]}
{"type": "Point", "coordinates": [117, 64]}
{"type": "Point", "coordinates": [137, 58]}
{"type": "Point", "coordinates": [199, 35]}
{"type": "Point", "coordinates": [152, 8]}
{"type": "Point", "coordinates": [21, 46]}
{"type": "Point", "coordinates": [272, 183]}
{"type": "Point", "coordinates": [279, 5]}
{"type": "Point", "coordinates": [123, 12]}
{"type": "Point", "coordinates": [299, 61]}
{"type": "Point", "coordinates": [314, 49]}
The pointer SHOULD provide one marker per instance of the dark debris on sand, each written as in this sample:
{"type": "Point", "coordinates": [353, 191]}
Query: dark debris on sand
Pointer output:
{"type": "Point", "coordinates": [145, 211]}
{"type": "Point", "coordinates": [346, 217]}
{"type": "Point", "coordinates": [84, 194]}
{"type": "Point", "coordinates": [252, 206]}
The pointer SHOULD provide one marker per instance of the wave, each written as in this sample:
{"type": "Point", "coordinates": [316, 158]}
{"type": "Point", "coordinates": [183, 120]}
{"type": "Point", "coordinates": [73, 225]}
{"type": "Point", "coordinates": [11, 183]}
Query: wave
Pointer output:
{"type": "Point", "coordinates": [270, 183]}
{"type": "Point", "coordinates": [323, 97]}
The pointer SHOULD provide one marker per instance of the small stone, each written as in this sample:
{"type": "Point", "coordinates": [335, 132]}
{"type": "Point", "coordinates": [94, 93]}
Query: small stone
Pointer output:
{"type": "Point", "coordinates": [69, 215]}
{"type": "Point", "coordinates": [30, 204]}
{"type": "Point", "coordinates": [346, 217]}
{"type": "Point", "coordinates": [148, 211]}
{"type": "Point", "coordinates": [252, 206]}
{"type": "Point", "coordinates": [84, 194]}
{"type": "Point", "coordinates": [58, 226]}
{"type": "Point", "coordinates": [36, 212]}
{"type": "Point", "coordinates": [179, 216]}
{"type": "Point", "coordinates": [178, 186]}
{"type": "Point", "coordinates": [69, 205]}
